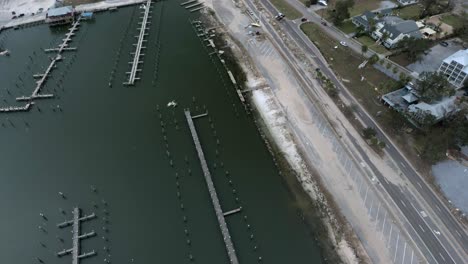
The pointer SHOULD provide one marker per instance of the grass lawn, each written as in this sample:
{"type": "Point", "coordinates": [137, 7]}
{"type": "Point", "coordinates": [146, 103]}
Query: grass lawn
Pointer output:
{"type": "Point", "coordinates": [370, 43]}
{"type": "Point", "coordinates": [401, 59]}
{"type": "Point", "coordinates": [345, 64]}
{"type": "Point", "coordinates": [362, 5]}
{"type": "Point", "coordinates": [453, 20]}
{"type": "Point", "coordinates": [347, 27]}
{"type": "Point", "coordinates": [304, 2]}
{"type": "Point", "coordinates": [409, 12]}
{"type": "Point", "coordinates": [359, 7]}
{"type": "Point", "coordinates": [285, 8]}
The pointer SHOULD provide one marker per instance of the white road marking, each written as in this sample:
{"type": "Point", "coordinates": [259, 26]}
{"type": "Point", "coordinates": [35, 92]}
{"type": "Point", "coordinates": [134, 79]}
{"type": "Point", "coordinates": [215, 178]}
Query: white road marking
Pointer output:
{"type": "Point", "coordinates": [403, 203]}
{"type": "Point", "coordinates": [360, 185]}
{"type": "Point", "coordinates": [438, 208]}
{"type": "Point", "coordinates": [396, 247]}
{"type": "Point", "coordinates": [458, 233]}
{"type": "Point", "coordinates": [419, 185]}
{"type": "Point", "coordinates": [412, 255]}
{"type": "Point", "coordinates": [421, 228]}
{"type": "Point", "coordinates": [378, 210]}
{"type": "Point", "coordinates": [402, 164]}
{"type": "Point", "coordinates": [404, 253]}
{"type": "Point", "coordinates": [383, 225]}
{"type": "Point", "coordinates": [441, 256]}
{"type": "Point", "coordinates": [365, 197]}
{"type": "Point", "coordinates": [390, 238]}
{"type": "Point", "coordinates": [370, 210]}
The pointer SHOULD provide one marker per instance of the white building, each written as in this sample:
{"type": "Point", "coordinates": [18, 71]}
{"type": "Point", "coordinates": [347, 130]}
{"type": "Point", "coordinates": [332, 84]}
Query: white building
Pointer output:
{"type": "Point", "coordinates": [455, 67]}
{"type": "Point", "coordinates": [407, 2]}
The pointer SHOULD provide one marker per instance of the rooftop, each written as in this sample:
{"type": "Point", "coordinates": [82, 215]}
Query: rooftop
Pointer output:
{"type": "Point", "coordinates": [460, 57]}
{"type": "Point", "coordinates": [60, 11]}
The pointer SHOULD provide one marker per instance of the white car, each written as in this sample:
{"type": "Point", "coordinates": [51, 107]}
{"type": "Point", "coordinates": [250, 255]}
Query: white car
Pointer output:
{"type": "Point", "coordinates": [344, 44]}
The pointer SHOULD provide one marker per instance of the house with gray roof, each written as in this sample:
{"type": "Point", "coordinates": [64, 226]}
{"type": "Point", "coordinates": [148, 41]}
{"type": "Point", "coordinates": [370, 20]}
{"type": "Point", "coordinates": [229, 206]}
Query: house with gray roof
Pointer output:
{"type": "Point", "coordinates": [366, 20]}
{"type": "Point", "coordinates": [394, 30]}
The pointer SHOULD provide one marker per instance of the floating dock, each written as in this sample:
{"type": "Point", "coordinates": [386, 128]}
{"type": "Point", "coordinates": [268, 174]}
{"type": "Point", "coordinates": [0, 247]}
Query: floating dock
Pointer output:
{"type": "Point", "coordinates": [17, 108]}
{"type": "Point", "coordinates": [139, 46]}
{"type": "Point", "coordinates": [75, 250]}
{"type": "Point", "coordinates": [212, 190]}
{"type": "Point", "coordinates": [188, 2]}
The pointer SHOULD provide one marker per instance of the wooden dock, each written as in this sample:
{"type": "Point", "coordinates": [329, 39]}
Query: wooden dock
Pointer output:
{"type": "Point", "coordinates": [188, 2]}
{"type": "Point", "coordinates": [76, 237]}
{"type": "Point", "coordinates": [212, 190]}
{"type": "Point", "coordinates": [139, 46]}
{"type": "Point", "coordinates": [44, 76]}
{"type": "Point", "coordinates": [17, 108]}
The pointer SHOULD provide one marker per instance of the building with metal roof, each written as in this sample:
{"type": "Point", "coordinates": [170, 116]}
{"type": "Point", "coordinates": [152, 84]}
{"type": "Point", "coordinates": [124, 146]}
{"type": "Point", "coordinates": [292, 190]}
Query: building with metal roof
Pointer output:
{"type": "Point", "coordinates": [455, 67]}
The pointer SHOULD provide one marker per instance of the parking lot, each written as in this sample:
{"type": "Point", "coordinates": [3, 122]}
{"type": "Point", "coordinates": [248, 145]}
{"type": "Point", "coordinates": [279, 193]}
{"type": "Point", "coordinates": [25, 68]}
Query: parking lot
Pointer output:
{"type": "Point", "coordinates": [431, 61]}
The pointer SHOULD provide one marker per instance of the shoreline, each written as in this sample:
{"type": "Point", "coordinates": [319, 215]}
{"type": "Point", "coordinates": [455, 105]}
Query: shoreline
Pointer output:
{"type": "Point", "coordinates": [318, 211]}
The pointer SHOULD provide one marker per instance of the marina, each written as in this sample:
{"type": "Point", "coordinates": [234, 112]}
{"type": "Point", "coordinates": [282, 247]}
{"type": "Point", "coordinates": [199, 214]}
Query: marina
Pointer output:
{"type": "Point", "coordinates": [148, 190]}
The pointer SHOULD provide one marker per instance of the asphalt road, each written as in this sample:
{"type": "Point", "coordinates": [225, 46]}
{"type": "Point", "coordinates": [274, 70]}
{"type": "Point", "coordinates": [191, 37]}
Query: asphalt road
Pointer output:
{"type": "Point", "coordinates": [440, 250]}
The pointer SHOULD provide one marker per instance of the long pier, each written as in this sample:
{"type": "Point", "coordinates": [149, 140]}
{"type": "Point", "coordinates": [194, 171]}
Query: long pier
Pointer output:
{"type": "Point", "coordinates": [76, 237]}
{"type": "Point", "coordinates": [212, 190]}
{"type": "Point", "coordinates": [139, 46]}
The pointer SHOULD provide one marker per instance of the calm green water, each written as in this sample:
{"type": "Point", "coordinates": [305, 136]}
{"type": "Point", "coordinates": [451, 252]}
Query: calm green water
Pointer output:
{"type": "Point", "coordinates": [112, 138]}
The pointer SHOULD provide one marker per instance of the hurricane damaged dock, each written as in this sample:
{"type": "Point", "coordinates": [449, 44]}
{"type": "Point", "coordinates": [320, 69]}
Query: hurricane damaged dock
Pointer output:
{"type": "Point", "coordinates": [212, 190]}
{"type": "Point", "coordinates": [139, 46]}
{"type": "Point", "coordinates": [77, 237]}
{"type": "Point", "coordinates": [44, 76]}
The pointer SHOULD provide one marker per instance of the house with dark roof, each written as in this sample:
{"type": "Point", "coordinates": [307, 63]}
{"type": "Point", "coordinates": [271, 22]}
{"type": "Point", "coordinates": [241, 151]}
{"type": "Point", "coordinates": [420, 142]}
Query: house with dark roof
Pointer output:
{"type": "Point", "coordinates": [366, 20]}
{"type": "Point", "coordinates": [391, 31]}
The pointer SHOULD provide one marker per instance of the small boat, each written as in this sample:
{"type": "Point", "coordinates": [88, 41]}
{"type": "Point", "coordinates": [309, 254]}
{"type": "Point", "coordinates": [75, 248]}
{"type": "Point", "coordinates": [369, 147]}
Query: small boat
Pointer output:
{"type": "Point", "coordinates": [5, 53]}
{"type": "Point", "coordinates": [172, 103]}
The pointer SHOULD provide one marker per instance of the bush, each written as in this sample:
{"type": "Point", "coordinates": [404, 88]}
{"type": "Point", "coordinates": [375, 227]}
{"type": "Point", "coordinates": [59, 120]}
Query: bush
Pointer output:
{"type": "Point", "coordinates": [368, 133]}
{"type": "Point", "coordinates": [382, 144]}
{"type": "Point", "coordinates": [373, 59]}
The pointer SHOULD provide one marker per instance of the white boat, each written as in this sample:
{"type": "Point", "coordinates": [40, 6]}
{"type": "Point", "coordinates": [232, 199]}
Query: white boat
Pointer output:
{"type": "Point", "coordinates": [5, 53]}
{"type": "Point", "coordinates": [172, 104]}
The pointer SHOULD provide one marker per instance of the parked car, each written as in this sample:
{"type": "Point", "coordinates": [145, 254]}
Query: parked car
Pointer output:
{"type": "Point", "coordinates": [323, 23]}
{"type": "Point", "coordinates": [444, 43]}
{"type": "Point", "coordinates": [21, 15]}
{"type": "Point", "coordinates": [13, 17]}
{"type": "Point", "coordinates": [344, 44]}
{"type": "Point", "coordinates": [303, 19]}
{"type": "Point", "coordinates": [279, 16]}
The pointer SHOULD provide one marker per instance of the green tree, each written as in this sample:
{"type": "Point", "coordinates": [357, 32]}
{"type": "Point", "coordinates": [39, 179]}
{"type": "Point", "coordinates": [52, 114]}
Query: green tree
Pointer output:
{"type": "Point", "coordinates": [368, 133]}
{"type": "Point", "coordinates": [341, 11]}
{"type": "Point", "coordinates": [414, 47]}
{"type": "Point", "coordinates": [364, 49]}
{"type": "Point", "coordinates": [433, 86]}
{"type": "Point", "coordinates": [373, 59]}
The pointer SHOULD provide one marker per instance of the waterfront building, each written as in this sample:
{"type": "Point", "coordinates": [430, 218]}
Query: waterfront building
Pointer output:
{"type": "Point", "coordinates": [60, 16]}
